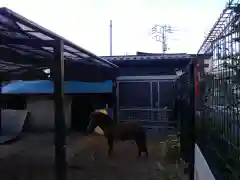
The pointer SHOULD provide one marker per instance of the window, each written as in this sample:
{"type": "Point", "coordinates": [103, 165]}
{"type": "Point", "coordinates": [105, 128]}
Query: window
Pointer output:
{"type": "Point", "coordinates": [14, 102]}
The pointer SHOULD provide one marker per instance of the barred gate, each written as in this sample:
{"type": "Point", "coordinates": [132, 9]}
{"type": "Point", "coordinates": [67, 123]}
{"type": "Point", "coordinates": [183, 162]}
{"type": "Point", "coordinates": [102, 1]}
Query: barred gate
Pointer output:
{"type": "Point", "coordinates": [147, 102]}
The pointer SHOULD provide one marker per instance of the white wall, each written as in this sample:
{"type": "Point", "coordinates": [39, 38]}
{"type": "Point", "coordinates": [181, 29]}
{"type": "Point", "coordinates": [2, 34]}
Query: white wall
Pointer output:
{"type": "Point", "coordinates": [12, 121]}
{"type": "Point", "coordinates": [42, 112]}
{"type": "Point", "coordinates": [202, 171]}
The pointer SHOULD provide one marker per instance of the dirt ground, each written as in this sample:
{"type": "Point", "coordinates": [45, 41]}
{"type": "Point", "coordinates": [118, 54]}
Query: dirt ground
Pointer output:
{"type": "Point", "coordinates": [32, 157]}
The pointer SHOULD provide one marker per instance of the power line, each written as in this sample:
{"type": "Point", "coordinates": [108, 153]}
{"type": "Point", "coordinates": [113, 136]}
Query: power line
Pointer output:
{"type": "Point", "coordinates": [160, 33]}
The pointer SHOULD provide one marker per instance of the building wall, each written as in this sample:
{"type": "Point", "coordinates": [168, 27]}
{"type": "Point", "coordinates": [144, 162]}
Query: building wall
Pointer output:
{"type": "Point", "coordinates": [41, 110]}
{"type": "Point", "coordinates": [144, 68]}
{"type": "Point", "coordinates": [12, 121]}
{"type": "Point", "coordinates": [145, 93]}
{"type": "Point", "coordinates": [145, 71]}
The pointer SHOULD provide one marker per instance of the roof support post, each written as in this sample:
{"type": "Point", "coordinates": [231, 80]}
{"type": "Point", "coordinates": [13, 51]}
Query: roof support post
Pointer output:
{"type": "Point", "coordinates": [1, 106]}
{"type": "Point", "coordinates": [114, 100]}
{"type": "Point", "coordinates": [57, 70]}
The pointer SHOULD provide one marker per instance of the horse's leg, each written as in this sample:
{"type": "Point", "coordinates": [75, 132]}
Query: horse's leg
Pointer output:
{"type": "Point", "coordinates": [110, 146]}
{"type": "Point", "coordinates": [144, 141]}
{"type": "Point", "coordinates": [146, 151]}
{"type": "Point", "coordinates": [139, 146]}
{"type": "Point", "coordinates": [141, 142]}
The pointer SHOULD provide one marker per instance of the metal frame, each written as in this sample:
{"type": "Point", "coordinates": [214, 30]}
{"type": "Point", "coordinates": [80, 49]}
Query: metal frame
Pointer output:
{"type": "Point", "coordinates": [44, 34]}
{"type": "Point", "coordinates": [11, 34]}
{"type": "Point", "coordinates": [118, 82]}
{"type": "Point", "coordinates": [151, 81]}
{"type": "Point", "coordinates": [142, 78]}
{"type": "Point", "coordinates": [149, 57]}
{"type": "Point", "coordinates": [226, 19]}
{"type": "Point", "coordinates": [218, 119]}
{"type": "Point", "coordinates": [151, 95]}
{"type": "Point", "coordinates": [115, 100]}
{"type": "Point", "coordinates": [186, 109]}
{"type": "Point", "coordinates": [151, 109]}
{"type": "Point", "coordinates": [33, 44]}
{"type": "Point", "coordinates": [60, 126]}
{"type": "Point", "coordinates": [158, 89]}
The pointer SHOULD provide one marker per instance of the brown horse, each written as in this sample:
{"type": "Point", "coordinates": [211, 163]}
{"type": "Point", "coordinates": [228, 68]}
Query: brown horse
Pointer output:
{"type": "Point", "coordinates": [122, 131]}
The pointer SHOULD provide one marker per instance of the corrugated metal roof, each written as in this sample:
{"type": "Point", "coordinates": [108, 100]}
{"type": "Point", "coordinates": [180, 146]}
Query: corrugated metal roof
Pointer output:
{"type": "Point", "coordinates": [148, 57]}
{"type": "Point", "coordinates": [27, 49]}
{"type": "Point", "coordinates": [157, 54]}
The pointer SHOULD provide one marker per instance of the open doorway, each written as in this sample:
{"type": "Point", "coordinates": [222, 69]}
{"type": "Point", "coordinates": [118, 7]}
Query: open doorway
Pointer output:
{"type": "Point", "coordinates": [81, 109]}
{"type": "Point", "coordinates": [83, 105]}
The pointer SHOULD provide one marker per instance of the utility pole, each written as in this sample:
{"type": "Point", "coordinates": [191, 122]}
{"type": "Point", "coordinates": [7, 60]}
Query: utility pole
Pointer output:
{"type": "Point", "coordinates": [110, 37]}
{"type": "Point", "coordinates": [164, 38]}
{"type": "Point", "coordinates": [160, 33]}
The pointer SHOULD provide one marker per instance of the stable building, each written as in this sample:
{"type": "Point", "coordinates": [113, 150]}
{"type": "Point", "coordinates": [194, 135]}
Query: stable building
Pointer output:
{"type": "Point", "coordinates": [145, 87]}
{"type": "Point", "coordinates": [80, 99]}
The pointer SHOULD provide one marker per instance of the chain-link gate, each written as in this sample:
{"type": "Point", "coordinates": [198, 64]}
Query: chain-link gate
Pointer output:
{"type": "Point", "coordinates": [147, 102]}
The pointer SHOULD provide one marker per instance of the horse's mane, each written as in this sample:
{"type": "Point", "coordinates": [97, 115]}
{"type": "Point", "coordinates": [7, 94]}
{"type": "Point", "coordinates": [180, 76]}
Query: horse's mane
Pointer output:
{"type": "Point", "coordinates": [102, 117]}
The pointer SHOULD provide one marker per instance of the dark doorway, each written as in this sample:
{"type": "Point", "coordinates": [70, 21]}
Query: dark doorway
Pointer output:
{"type": "Point", "coordinates": [81, 109]}
{"type": "Point", "coordinates": [13, 101]}
{"type": "Point", "coordinates": [83, 105]}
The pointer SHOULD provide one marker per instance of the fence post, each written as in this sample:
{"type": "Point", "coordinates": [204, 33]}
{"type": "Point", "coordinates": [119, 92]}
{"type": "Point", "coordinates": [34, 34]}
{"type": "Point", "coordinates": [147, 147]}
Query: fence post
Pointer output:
{"type": "Point", "coordinates": [1, 106]}
{"type": "Point", "coordinates": [192, 119]}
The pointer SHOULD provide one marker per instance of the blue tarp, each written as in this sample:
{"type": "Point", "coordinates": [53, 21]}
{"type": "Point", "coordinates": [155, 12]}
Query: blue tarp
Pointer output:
{"type": "Point", "coordinates": [46, 87]}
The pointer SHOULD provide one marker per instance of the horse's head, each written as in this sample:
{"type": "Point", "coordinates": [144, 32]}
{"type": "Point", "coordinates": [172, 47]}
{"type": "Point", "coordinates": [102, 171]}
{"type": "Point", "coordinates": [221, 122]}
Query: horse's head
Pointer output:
{"type": "Point", "coordinates": [98, 119]}
{"type": "Point", "coordinates": [94, 122]}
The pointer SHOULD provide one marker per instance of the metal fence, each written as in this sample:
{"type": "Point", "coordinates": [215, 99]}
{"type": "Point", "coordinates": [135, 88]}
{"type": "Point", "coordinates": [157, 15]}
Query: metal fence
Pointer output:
{"type": "Point", "coordinates": [218, 120]}
{"type": "Point", "coordinates": [153, 120]}
{"type": "Point", "coordinates": [148, 103]}
{"type": "Point", "coordinates": [218, 125]}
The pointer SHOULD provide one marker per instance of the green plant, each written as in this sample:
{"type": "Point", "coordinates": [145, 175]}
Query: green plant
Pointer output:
{"type": "Point", "coordinates": [172, 148]}
{"type": "Point", "coordinates": [170, 176]}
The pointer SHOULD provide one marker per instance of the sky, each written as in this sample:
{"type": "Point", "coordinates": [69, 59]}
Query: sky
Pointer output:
{"type": "Point", "coordinates": [86, 22]}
